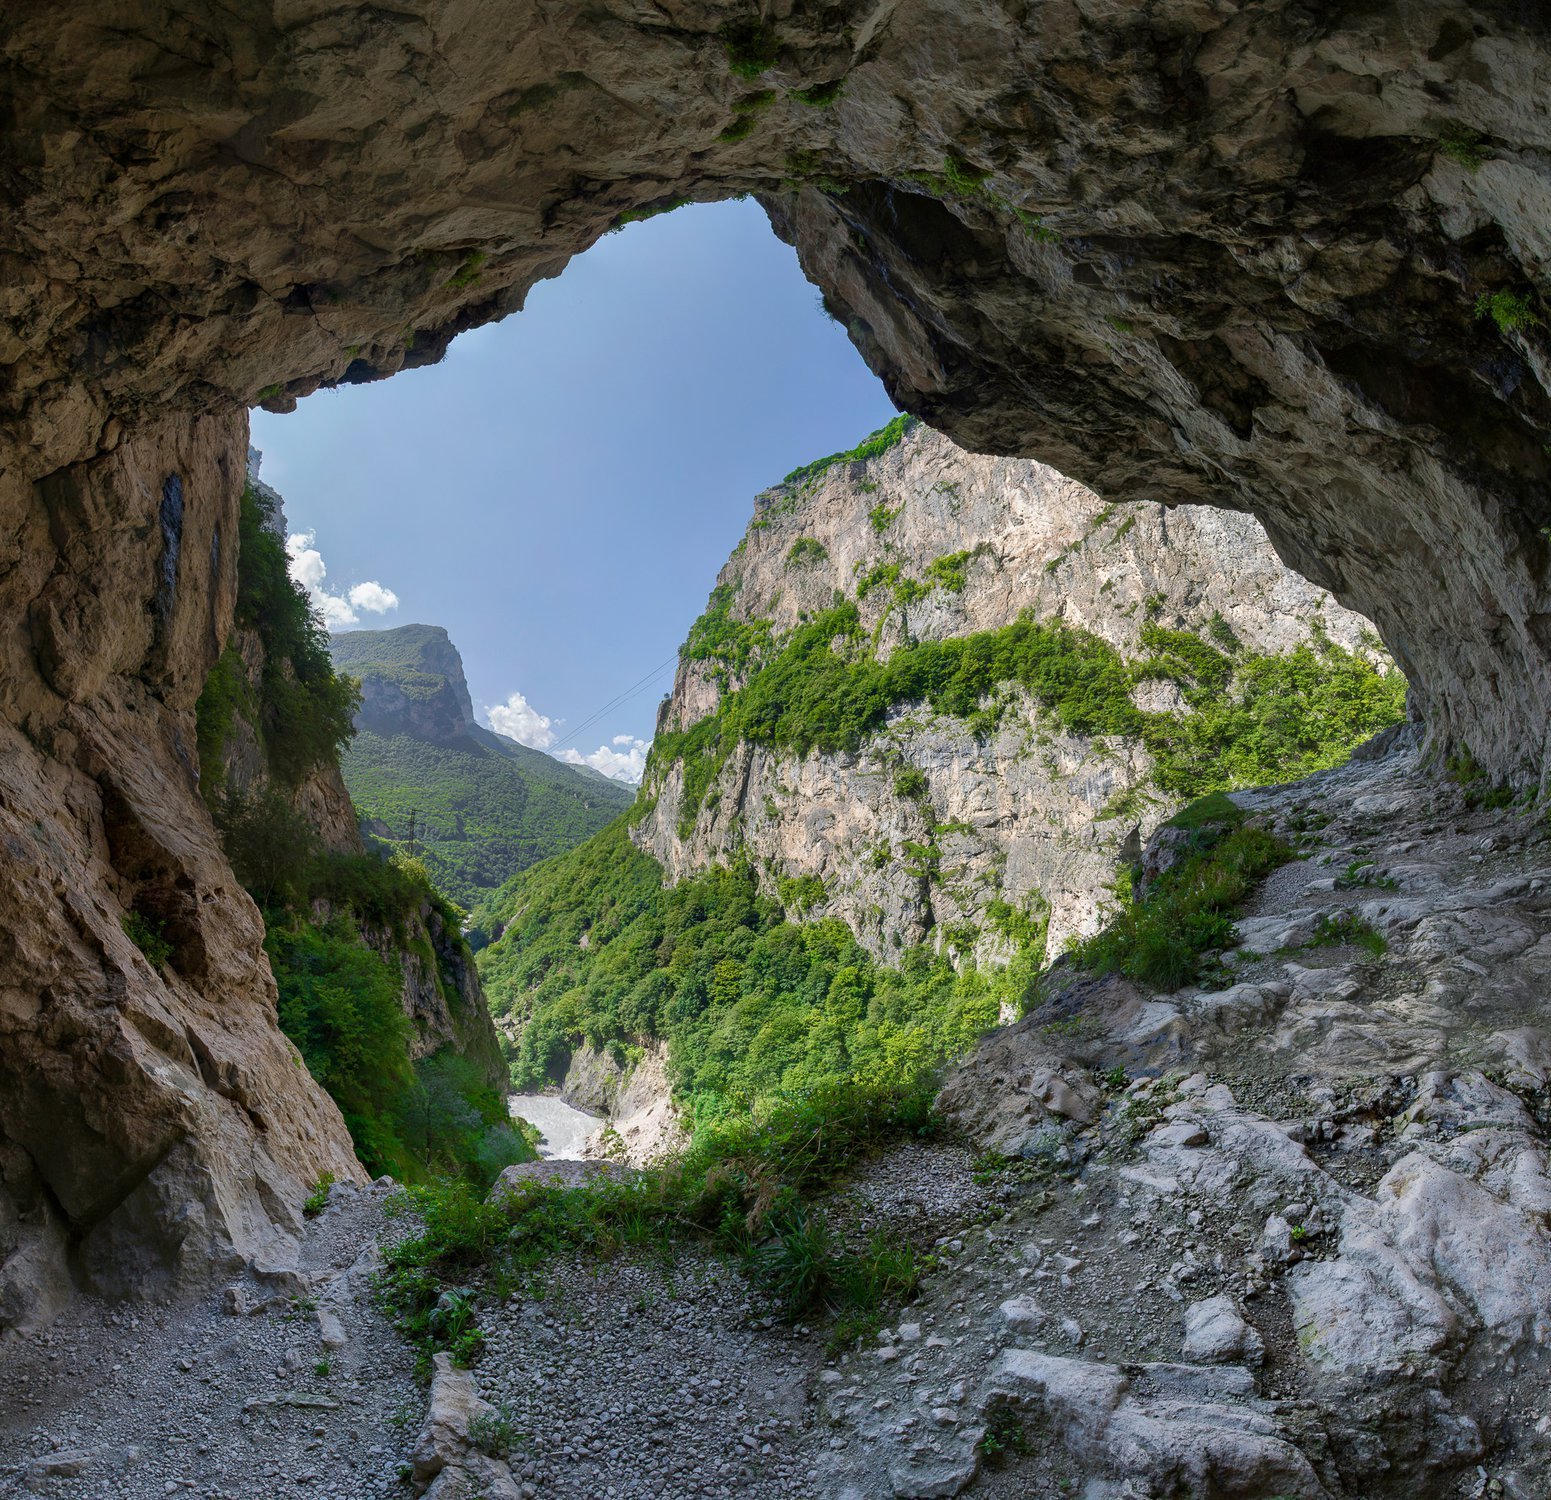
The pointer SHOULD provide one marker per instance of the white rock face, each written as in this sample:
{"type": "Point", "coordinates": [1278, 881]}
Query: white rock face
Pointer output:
{"type": "Point", "coordinates": [1029, 814]}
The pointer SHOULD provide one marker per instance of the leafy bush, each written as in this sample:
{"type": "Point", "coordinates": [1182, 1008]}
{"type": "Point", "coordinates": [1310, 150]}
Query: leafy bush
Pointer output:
{"type": "Point", "coordinates": [752, 47]}
{"type": "Point", "coordinates": [318, 1198]}
{"type": "Point", "coordinates": [732, 644]}
{"type": "Point", "coordinates": [1346, 928]}
{"type": "Point", "coordinates": [1512, 312]}
{"type": "Point", "coordinates": [1480, 790]}
{"type": "Point", "coordinates": [1171, 935]}
{"type": "Point", "coordinates": [911, 784]}
{"type": "Point", "coordinates": [799, 894]}
{"type": "Point", "coordinates": [226, 693]}
{"type": "Point", "coordinates": [806, 549]}
{"type": "Point", "coordinates": [949, 572]}
{"type": "Point", "coordinates": [821, 95]}
{"type": "Point", "coordinates": [272, 847]}
{"type": "Point", "coordinates": [147, 935]}
{"type": "Point", "coordinates": [1463, 144]}
{"type": "Point", "coordinates": [304, 709]}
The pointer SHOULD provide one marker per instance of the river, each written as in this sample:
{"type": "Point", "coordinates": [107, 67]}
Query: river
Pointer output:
{"type": "Point", "coordinates": [565, 1127]}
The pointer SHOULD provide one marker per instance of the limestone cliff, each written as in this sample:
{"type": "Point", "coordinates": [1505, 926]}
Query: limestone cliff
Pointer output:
{"type": "Point", "coordinates": [934, 823]}
{"type": "Point", "coordinates": [440, 991]}
{"type": "Point", "coordinates": [156, 1128]}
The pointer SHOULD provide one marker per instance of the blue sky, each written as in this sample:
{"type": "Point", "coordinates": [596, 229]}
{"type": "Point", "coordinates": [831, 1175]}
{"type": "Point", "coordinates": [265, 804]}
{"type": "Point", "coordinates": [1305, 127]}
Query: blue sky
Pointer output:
{"type": "Point", "coordinates": [560, 491]}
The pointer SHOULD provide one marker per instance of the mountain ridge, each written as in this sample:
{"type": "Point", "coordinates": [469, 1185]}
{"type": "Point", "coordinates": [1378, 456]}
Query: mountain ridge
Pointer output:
{"type": "Point", "coordinates": [430, 780]}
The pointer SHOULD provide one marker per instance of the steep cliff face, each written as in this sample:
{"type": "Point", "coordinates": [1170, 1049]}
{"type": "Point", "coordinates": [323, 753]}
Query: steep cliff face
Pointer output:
{"type": "Point", "coordinates": [932, 825]}
{"type": "Point", "coordinates": [475, 805]}
{"type": "Point", "coordinates": [411, 680]}
{"type": "Point", "coordinates": [155, 1126]}
{"type": "Point", "coordinates": [241, 767]}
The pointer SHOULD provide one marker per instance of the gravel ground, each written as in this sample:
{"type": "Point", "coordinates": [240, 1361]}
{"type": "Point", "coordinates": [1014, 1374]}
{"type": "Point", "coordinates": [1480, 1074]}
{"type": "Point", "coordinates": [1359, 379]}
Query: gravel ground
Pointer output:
{"type": "Point", "coordinates": [644, 1375]}
{"type": "Point", "coordinates": [120, 1403]}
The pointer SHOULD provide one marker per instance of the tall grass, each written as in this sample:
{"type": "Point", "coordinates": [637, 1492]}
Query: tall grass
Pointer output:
{"type": "Point", "coordinates": [1172, 935]}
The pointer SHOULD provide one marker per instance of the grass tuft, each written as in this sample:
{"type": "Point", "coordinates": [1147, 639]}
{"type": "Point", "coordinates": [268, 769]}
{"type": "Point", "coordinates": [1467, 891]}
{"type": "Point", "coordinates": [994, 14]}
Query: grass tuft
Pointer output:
{"type": "Point", "coordinates": [1173, 935]}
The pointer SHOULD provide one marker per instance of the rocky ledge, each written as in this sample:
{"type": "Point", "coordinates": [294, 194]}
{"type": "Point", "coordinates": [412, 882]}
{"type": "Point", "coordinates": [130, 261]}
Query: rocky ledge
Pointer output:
{"type": "Point", "coordinates": [1283, 1237]}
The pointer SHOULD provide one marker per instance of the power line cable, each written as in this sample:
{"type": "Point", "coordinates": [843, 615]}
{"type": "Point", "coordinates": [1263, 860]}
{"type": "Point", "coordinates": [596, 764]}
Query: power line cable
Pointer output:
{"type": "Point", "coordinates": [615, 703]}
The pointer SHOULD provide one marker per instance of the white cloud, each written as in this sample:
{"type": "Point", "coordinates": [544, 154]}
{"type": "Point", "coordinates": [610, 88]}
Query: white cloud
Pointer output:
{"type": "Point", "coordinates": [338, 610]}
{"type": "Point", "coordinates": [306, 561]}
{"type": "Point", "coordinates": [519, 720]}
{"type": "Point", "coordinates": [373, 598]}
{"type": "Point", "coordinates": [623, 758]}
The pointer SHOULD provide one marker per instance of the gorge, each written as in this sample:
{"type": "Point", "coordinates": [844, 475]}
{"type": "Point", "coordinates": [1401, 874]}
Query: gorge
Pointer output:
{"type": "Point", "coordinates": [1280, 260]}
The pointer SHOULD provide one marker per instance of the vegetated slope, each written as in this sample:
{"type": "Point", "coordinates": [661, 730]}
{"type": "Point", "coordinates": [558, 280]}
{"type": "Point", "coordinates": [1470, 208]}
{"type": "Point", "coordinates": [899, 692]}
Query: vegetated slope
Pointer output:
{"type": "Point", "coordinates": [377, 986]}
{"type": "Point", "coordinates": [483, 806]}
{"type": "Point", "coordinates": [931, 680]}
{"type": "Point", "coordinates": [933, 704]}
{"type": "Point", "coordinates": [751, 1000]}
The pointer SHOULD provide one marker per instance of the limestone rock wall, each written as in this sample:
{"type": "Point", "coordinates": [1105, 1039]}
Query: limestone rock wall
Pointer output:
{"type": "Point", "coordinates": [155, 1126]}
{"type": "Point", "coordinates": [1031, 814]}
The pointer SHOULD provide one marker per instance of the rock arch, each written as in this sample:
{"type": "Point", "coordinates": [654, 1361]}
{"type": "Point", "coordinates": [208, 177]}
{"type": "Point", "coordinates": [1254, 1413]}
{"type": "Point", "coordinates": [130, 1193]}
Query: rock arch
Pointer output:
{"type": "Point", "coordinates": [1276, 257]}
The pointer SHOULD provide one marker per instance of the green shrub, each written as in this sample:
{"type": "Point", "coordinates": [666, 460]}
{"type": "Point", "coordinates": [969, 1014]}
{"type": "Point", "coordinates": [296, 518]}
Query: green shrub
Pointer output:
{"type": "Point", "coordinates": [950, 573]}
{"type": "Point", "coordinates": [1463, 144]}
{"type": "Point", "coordinates": [305, 711]}
{"type": "Point", "coordinates": [1346, 928]}
{"type": "Point", "coordinates": [318, 1198]}
{"type": "Point", "coordinates": [741, 128]}
{"type": "Point", "coordinates": [806, 549]}
{"type": "Point", "coordinates": [340, 1004]}
{"type": "Point", "coordinates": [470, 268]}
{"type": "Point", "coordinates": [911, 784]}
{"type": "Point", "coordinates": [821, 95]}
{"type": "Point", "coordinates": [226, 694]}
{"type": "Point", "coordinates": [1171, 936]}
{"type": "Point", "coordinates": [272, 847]}
{"type": "Point", "coordinates": [1512, 312]}
{"type": "Point", "coordinates": [648, 211]}
{"type": "Point", "coordinates": [752, 47]}
{"type": "Point", "coordinates": [881, 516]}
{"type": "Point", "coordinates": [799, 894]}
{"type": "Point", "coordinates": [146, 934]}
{"type": "Point", "coordinates": [1480, 790]}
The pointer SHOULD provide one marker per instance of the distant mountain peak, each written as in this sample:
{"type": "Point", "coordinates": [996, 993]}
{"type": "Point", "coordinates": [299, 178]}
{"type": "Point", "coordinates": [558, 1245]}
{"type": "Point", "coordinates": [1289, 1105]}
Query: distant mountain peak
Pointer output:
{"type": "Point", "coordinates": [476, 805]}
{"type": "Point", "coordinates": [412, 681]}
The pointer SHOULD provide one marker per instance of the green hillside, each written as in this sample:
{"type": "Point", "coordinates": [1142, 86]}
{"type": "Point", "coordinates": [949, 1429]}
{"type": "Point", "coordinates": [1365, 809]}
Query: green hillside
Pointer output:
{"type": "Point", "coordinates": [752, 1004]}
{"type": "Point", "coordinates": [480, 806]}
